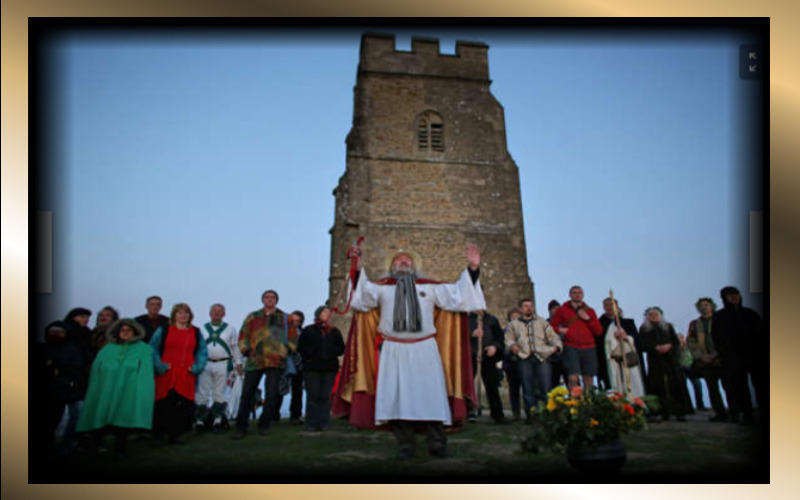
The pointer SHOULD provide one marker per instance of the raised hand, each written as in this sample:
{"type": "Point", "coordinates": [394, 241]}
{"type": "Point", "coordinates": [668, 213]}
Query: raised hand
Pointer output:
{"type": "Point", "coordinates": [473, 256]}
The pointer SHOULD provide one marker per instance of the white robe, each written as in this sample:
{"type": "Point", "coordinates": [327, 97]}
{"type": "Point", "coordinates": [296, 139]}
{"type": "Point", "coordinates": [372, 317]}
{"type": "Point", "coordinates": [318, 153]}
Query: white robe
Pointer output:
{"type": "Point", "coordinates": [616, 373]}
{"type": "Point", "coordinates": [235, 395]}
{"type": "Point", "coordinates": [410, 375]}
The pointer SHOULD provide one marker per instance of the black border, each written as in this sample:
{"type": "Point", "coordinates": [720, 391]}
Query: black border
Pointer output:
{"type": "Point", "coordinates": [46, 33]}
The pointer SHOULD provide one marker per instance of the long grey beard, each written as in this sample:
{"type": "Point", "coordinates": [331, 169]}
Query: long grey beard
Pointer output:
{"type": "Point", "coordinates": [407, 316]}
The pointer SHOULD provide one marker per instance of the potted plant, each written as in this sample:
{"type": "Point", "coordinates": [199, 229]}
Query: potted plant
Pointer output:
{"type": "Point", "coordinates": [587, 424]}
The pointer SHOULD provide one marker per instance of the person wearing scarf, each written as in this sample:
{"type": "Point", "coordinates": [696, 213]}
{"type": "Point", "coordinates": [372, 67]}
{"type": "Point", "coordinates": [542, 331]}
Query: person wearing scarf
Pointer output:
{"type": "Point", "coordinates": [320, 346]}
{"type": "Point", "coordinates": [411, 387]}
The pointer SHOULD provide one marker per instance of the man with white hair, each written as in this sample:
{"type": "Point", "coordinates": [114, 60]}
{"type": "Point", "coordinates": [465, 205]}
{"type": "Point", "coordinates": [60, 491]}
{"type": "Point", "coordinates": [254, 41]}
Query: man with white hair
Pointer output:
{"type": "Point", "coordinates": [411, 387]}
{"type": "Point", "coordinates": [223, 357]}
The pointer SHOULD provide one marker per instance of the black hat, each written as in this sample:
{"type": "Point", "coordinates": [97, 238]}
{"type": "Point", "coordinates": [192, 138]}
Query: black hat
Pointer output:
{"type": "Point", "coordinates": [727, 291]}
{"type": "Point", "coordinates": [57, 325]}
{"type": "Point", "coordinates": [78, 311]}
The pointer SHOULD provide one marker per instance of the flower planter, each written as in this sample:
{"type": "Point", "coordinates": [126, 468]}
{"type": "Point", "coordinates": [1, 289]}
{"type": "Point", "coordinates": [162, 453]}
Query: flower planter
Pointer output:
{"type": "Point", "coordinates": [606, 460]}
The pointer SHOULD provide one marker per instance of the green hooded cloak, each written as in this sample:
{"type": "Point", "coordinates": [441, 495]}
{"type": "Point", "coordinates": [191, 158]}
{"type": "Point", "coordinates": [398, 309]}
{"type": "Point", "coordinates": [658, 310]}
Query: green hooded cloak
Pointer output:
{"type": "Point", "coordinates": [121, 389]}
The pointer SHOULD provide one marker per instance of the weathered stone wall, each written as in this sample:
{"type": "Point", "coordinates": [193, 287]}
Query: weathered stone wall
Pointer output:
{"type": "Point", "coordinates": [435, 203]}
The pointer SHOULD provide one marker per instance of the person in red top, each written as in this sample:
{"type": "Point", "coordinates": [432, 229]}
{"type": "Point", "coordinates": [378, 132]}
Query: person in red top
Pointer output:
{"type": "Point", "coordinates": [180, 355]}
{"type": "Point", "coordinates": [579, 325]}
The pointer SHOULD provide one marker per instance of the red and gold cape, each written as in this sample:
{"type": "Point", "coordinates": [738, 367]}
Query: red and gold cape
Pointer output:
{"type": "Point", "coordinates": [354, 391]}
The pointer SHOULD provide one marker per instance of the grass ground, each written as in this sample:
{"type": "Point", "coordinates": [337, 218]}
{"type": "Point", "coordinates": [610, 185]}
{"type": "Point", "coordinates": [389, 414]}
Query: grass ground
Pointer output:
{"type": "Point", "coordinates": [673, 452]}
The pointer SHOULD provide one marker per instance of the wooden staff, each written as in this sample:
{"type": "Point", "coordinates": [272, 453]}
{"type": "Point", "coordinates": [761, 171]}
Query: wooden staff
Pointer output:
{"type": "Point", "coordinates": [480, 362]}
{"type": "Point", "coordinates": [352, 254]}
{"type": "Point", "coordinates": [626, 374]}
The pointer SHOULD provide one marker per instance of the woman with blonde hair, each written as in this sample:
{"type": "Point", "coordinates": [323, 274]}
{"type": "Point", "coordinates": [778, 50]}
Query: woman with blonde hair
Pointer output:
{"type": "Point", "coordinates": [180, 355]}
{"type": "Point", "coordinates": [664, 376]}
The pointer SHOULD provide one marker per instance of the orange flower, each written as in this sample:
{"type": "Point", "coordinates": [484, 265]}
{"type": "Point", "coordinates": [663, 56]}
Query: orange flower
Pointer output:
{"type": "Point", "coordinates": [628, 408]}
{"type": "Point", "coordinates": [593, 423]}
{"type": "Point", "coordinates": [638, 402]}
{"type": "Point", "coordinates": [576, 392]}
{"type": "Point", "coordinates": [615, 396]}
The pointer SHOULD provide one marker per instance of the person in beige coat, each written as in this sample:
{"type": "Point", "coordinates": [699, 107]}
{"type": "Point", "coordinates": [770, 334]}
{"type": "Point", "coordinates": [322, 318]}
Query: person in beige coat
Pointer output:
{"type": "Point", "coordinates": [532, 341]}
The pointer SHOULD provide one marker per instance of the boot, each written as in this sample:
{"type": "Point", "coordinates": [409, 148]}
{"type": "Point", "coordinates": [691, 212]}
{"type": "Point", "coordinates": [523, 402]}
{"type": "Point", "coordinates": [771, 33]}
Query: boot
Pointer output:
{"type": "Point", "coordinates": [121, 445]}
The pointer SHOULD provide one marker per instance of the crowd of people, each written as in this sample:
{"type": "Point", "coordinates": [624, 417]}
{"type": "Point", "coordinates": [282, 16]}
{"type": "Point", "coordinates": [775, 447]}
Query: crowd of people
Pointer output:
{"type": "Point", "coordinates": [166, 376]}
{"type": "Point", "coordinates": [575, 347]}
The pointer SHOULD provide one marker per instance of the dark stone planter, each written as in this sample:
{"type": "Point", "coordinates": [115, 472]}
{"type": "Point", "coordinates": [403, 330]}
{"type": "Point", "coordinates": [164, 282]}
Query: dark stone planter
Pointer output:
{"type": "Point", "coordinates": [606, 460]}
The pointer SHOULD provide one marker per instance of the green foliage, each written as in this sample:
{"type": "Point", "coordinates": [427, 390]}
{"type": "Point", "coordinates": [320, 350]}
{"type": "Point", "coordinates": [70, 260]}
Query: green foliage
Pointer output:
{"type": "Point", "coordinates": [587, 418]}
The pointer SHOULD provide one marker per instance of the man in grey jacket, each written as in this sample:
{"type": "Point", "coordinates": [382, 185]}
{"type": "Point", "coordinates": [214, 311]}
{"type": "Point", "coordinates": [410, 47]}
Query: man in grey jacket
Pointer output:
{"type": "Point", "coordinates": [532, 340]}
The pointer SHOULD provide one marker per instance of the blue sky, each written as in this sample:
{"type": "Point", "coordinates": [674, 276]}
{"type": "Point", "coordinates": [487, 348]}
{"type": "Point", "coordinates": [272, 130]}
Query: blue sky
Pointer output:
{"type": "Point", "coordinates": [201, 169]}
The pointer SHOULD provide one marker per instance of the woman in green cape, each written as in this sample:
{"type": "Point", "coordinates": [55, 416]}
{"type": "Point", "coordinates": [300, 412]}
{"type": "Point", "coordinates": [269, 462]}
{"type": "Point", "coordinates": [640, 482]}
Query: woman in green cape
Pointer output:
{"type": "Point", "coordinates": [121, 389]}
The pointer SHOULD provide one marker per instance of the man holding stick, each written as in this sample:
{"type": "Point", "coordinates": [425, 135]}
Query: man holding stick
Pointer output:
{"type": "Point", "coordinates": [487, 349]}
{"type": "Point", "coordinates": [411, 387]}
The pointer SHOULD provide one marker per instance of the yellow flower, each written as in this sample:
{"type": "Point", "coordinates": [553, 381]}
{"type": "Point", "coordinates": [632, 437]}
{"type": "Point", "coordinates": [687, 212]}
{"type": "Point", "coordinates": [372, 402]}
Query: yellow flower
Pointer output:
{"type": "Point", "coordinates": [573, 411]}
{"type": "Point", "coordinates": [572, 402]}
{"type": "Point", "coordinates": [593, 423]}
{"type": "Point", "coordinates": [558, 391]}
{"type": "Point", "coordinates": [551, 405]}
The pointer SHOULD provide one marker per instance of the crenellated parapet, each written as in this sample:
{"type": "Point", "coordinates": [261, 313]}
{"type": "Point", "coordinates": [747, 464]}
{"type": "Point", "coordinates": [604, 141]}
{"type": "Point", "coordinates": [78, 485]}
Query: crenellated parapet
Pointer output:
{"type": "Point", "coordinates": [380, 55]}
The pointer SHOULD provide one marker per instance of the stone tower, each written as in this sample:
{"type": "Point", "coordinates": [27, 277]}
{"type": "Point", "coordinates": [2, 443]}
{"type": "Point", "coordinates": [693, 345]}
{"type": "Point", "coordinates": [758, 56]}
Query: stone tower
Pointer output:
{"type": "Point", "coordinates": [428, 170]}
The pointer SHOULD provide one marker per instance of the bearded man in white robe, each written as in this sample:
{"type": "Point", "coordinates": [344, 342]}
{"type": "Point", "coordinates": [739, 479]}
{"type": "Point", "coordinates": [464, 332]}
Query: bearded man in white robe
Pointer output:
{"type": "Point", "coordinates": [411, 387]}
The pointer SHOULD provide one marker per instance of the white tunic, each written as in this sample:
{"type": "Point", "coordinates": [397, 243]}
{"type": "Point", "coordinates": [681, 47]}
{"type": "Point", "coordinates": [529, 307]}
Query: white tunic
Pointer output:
{"type": "Point", "coordinates": [616, 373]}
{"type": "Point", "coordinates": [231, 337]}
{"type": "Point", "coordinates": [211, 382]}
{"type": "Point", "coordinates": [410, 375]}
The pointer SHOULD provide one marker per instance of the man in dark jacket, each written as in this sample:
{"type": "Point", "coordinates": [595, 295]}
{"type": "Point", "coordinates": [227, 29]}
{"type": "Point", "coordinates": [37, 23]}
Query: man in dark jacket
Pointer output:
{"type": "Point", "coordinates": [744, 350]}
{"type": "Point", "coordinates": [66, 363]}
{"type": "Point", "coordinates": [152, 321]}
{"type": "Point", "coordinates": [76, 322]}
{"type": "Point", "coordinates": [491, 339]}
{"type": "Point", "coordinates": [320, 345]}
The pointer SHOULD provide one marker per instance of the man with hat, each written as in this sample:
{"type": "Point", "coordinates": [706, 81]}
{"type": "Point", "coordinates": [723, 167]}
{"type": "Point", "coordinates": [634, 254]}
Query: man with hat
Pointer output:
{"type": "Point", "coordinates": [744, 350]}
{"type": "Point", "coordinates": [411, 387]}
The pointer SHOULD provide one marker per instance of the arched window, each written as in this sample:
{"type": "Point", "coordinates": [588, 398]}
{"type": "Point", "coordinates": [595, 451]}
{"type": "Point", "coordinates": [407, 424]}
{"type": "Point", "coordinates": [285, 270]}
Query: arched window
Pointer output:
{"type": "Point", "coordinates": [430, 132]}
